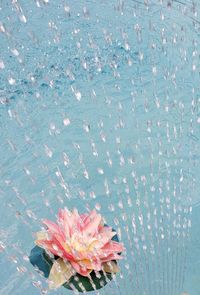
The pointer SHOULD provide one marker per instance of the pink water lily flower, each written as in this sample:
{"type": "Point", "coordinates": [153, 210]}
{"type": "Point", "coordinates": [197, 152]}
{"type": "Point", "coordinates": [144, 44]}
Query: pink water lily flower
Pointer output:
{"type": "Point", "coordinates": [81, 239]}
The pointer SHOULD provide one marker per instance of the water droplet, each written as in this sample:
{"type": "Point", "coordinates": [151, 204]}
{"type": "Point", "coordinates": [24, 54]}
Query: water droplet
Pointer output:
{"type": "Point", "coordinates": [2, 28]}
{"type": "Point", "coordinates": [48, 151]}
{"type": "Point", "coordinates": [23, 18]}
{"type": "Point", "coordinates": [98, 206]}
{"type": "Point", "coordinates": [66, 121]}
{"type": "Point", "coordinates": [67, 9]}
{"type": "Point", "coordinates": [2, 246]}
{"type": "Point", "coordinates": [11, 81]}
{"type": "Point", "coordinates": [100, 171]}
{"type": "Point", "coordinates": [78, 95]}
{"type": "Point", "coordinates": [86, 175]}
{"type": "Point", "coordinates": [21, 269]}
{"type": "Point", "coordinates": [154, 70]}
{"type": "Point", "coordinates": [2, 66]}
{"type": "Point", "coordinates": [36, 284]}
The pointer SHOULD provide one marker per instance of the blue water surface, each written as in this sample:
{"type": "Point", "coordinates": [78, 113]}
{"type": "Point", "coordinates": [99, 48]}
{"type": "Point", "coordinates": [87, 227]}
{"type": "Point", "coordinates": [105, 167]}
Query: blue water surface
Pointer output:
{"type": "Point", "coordinates": [99, 108]}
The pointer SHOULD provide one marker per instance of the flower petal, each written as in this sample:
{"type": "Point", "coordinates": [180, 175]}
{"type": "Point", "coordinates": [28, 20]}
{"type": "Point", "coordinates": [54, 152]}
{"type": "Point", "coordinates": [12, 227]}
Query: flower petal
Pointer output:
{"type": "Point", "coordinates": [82, 271]}
{"type": "Point", "coordinates": [91, 264]}
{"type": "Point", "coordinates": [55, 248]}
{"type": "Point", "coordinates": [60, 273]}
{"type": "Point", "coordinates": [110, 267]}
{"type": "Point", "coordinates": [84, 216]}
{"type": "Point", "coordinates": [48, 246]}
{"type": "Point", "coordinates": [62, 245]}
{"type": "Point", "coordinates": [63, 223]}
{"type": "Point", "coordinates": [53, 227]}
{"type": "Point", "coordinates": [89, 217]}
{"type": "Point", "coordinates": [104, 238]}
{"type": "Point", "coordinates": [69, 221]}
{"type": "Point", "coordinates": [113, 246]}
{"type": "Point", "coordinates": [115, 256]}
{"type": "Point", "coordinates": [92, 224]}
{"type": "Point", "coordinates": [42, 235]}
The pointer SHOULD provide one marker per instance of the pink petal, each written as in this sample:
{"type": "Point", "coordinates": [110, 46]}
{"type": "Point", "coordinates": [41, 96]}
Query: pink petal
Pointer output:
{"type": "Point", "coordinates": [89, 217]}
{"type": "Point", "coordinates": [83, 220]}
{"type": "Point", "coordinates": [75, 214]}
{"type": "Point", "coordinates": [113, 246]}
{"type": "Point", "coordinates": [105, 237]}
{"type": "Point", "coordinates": [105, 229]}
{"type": "Point", "coordinates": [91, 264]}
{"type": "Point", "coordinates": [83, 216]}
{"type": "Point", "coordinates": [92, 225]}
{"type": "Point", "coordinates": [60, 243]}
{"type": "Point", "coordinates": [56, 246]}
{"type": "Point", "coordinates": [69, 221]}
{"type": "Point", "coordinates": [52, 227]}
{"type": "Point", "coordinates": [82, 271]}
{"type": "Point", "coordinates": [110, 257]}
{"type": "Point", "coordinates": [60, 215]}
{"type": "Point", "coordinates": [47, 245]}
{"type": "Point", "coordinates": [64, 220]}
{"type": "Point", "coordinates": [78, 220]}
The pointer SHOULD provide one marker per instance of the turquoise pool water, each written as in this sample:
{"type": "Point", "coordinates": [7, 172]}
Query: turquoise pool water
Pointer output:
{"type": "Point", "coordinates": [99, 108]}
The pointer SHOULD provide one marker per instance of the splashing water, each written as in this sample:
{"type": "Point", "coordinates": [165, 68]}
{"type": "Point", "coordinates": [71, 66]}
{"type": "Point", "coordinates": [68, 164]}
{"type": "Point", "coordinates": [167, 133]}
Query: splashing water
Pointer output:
{"type": "Point", "coordinates": [99, 108]}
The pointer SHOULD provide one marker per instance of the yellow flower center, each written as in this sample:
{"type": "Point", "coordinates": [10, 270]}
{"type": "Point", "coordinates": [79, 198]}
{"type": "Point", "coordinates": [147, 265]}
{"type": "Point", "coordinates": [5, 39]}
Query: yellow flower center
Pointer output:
{"type": "Point", "coordinates": [81, 244]}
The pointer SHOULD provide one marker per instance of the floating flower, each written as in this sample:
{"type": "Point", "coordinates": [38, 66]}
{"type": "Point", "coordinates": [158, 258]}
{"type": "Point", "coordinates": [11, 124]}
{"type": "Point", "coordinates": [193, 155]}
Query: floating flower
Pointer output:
{"type": "Point", "coordinates": [82, 244]}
